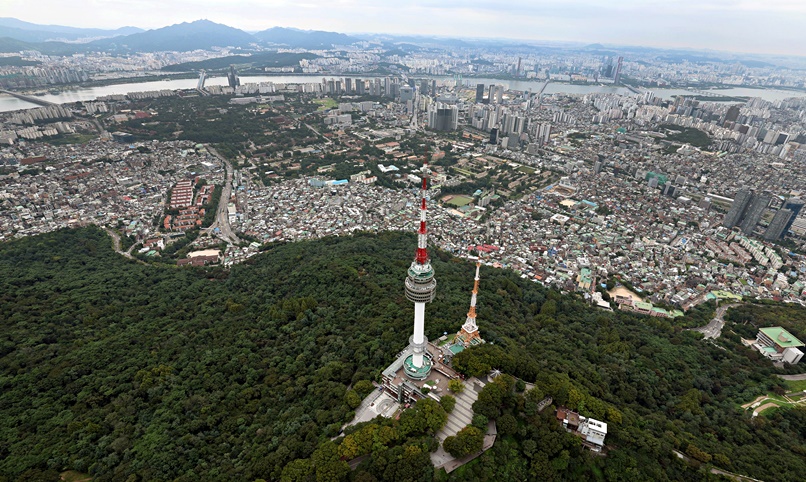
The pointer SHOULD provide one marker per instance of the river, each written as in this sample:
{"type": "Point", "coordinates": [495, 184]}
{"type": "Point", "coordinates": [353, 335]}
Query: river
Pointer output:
{"type": "Point", "coordinates": [68, 95]}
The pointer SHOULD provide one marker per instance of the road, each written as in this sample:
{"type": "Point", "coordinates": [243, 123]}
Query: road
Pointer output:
{"type": "Point", "coordinates": [731, 475]}
{"type": "Point", "coordinates": [222, 217]}
{"type": "Point", "coordinates": [98, 126]}
{"type": "Point", "coordinates": [794, 378]}
{"type": "Point", "coordinates": [116, 243]}
{"type": "Point", "coordinates": [327, 141]}
{"type": "Point", "coordinates": [714, 328]}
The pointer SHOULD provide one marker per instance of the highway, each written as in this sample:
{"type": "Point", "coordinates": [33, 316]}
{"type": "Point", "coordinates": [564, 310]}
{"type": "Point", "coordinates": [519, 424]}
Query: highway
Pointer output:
{"type": "Point", "coordinates": [222, 217]}
{"type": "Point", "coordinates": [714, 328]}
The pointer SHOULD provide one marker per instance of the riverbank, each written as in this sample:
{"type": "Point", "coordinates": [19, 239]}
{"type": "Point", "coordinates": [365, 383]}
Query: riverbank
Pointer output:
{"type": "Point", "coordinates": [89, 91]}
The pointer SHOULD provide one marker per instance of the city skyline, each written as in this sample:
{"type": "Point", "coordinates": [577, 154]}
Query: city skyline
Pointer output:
{"type": "Point", "coordinates": [734, 26]}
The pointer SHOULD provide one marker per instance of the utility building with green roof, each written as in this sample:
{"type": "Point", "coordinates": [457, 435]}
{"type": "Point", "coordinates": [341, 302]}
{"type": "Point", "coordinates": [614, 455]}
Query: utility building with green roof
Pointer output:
{"type": "Point", "coordinates": [778, 344]}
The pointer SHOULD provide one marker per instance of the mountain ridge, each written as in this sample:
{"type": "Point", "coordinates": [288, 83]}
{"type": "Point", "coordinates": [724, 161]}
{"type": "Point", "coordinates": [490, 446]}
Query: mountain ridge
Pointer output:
{"type": "Point", "coordinates": [304, 38]}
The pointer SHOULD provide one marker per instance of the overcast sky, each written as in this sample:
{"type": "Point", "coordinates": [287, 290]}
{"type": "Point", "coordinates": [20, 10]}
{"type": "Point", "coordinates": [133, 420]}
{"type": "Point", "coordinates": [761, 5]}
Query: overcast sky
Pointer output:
{"type": "Point", "coordinates": [762, 26]}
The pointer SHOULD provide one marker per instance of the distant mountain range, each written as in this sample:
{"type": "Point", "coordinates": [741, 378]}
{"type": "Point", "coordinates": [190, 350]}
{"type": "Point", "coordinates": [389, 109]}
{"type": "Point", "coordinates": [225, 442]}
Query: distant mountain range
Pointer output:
{"type": "Point", "coordinates": [17, 35]}
{"type": "Point", "coordinates": [32, 32]}
{"type": "Point", "coordinates": [307, 39]}
{"type": "Point", "coordinates": [201, 34]}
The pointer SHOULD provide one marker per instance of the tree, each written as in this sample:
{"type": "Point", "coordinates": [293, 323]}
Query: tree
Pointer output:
{"type": "Point", "coordinates": [409, 462]}
{"type": "Point", "coordinates": [480, 421]}
{"type": "Point", "coordinates": [425, 417]}
{"type": "Point", "coordinates": [549, 308]}
{"type": "Point", "coordinates": [456, 385]}
{"type": "Point", "coordinates": [507, 424]}
{"type": "Point", "coordinates": [698, 454]}
{"type": "Point", "coordinates": [447, 402]}
{"type": "Point", "coordinates": [467, 441]}
{"type": "Point", "coordinates": [298, 470]}
{"type": "Point", "coordinates": [520, 385]}
{"type": "Point", "coordinates": [352, 399]}
{"type": "Point", "coordinates": [363, 388]}
{"type": "Point", "coordinates": [327, 465]}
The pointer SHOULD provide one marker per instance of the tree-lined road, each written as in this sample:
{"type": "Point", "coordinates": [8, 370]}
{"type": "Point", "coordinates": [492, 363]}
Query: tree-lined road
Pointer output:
{"type": "Point", "coordinates": [714, 328]}
{"type": "Point", "coordinates": [222, 216]}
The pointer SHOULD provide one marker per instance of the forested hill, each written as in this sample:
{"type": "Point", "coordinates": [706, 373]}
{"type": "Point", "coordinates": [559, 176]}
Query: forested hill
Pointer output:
{"type": "Point", "coordinates": [137, 372]}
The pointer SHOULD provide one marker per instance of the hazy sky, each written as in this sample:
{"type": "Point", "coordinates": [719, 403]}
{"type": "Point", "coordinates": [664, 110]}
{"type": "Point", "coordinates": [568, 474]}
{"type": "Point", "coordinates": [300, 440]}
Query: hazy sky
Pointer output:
{"type": "Point", "coordinates": [764, 26]}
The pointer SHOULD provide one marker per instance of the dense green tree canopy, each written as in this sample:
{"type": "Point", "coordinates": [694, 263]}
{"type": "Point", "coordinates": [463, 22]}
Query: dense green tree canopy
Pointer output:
{"type": "Point", "coordinates": [154, 372]}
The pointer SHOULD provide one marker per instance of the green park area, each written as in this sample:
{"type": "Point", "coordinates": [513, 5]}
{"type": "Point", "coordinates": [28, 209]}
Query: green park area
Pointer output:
{"type": "Point", "coordinates": [687, 135]}
{"type": "Point", "coordinates": [326, 103]}
{"type": "Point", "coordinates": [794, 394]}
{"type": "Point", "coordinates": [725, 295]}
{"type": "Point", "coordinates": [62, 140]}
{"type": "Point", "coordinates": [458, 200]}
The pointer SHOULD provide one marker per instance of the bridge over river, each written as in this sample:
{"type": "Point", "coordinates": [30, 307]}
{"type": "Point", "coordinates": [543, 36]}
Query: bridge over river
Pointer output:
{"type": "Point", "coordinates": [28, 98]}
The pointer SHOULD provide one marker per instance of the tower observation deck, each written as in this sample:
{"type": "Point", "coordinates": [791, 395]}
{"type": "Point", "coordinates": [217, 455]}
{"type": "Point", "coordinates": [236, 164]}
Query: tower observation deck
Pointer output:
{"type": "Point", "coordinates": [420, 289]}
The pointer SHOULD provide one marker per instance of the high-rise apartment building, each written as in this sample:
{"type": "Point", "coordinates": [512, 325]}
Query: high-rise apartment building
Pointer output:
{"type": "Point", "coordinates": [758, 204]}
{"type": "Point", "coordinates": [795, 205]}
{"type": "Point", "coordinates": [232, 78]}
{"type": "Point", "coordinates": [776, 228]}
{"type": "Point", "coordinates": [617, 75]}
{"type": "Point", "coordinates": [737, 209]}
{"type": "Point", "coordinates": [443, 117]}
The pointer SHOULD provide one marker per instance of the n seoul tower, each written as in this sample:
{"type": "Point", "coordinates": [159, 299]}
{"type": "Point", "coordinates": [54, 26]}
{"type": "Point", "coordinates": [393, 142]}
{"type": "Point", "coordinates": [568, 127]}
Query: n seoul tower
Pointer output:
{"type": "Point", "coordinates": [420, 289]}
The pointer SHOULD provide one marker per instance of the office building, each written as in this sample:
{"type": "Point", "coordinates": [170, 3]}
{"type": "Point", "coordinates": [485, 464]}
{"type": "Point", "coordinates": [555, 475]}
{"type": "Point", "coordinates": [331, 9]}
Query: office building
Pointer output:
{"type": "Point", "coordinates": [670, 190]}
{"type": "Point", "coordinates": [479, 93]}
{"type": "Point", "coordinates": [406, 94]}
{"type": "Point", "coordinates": [494, 135]}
